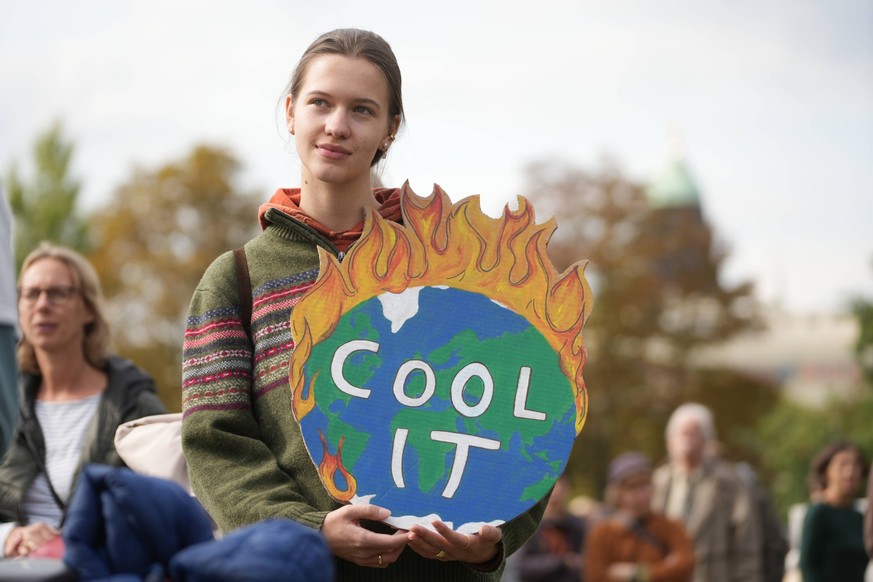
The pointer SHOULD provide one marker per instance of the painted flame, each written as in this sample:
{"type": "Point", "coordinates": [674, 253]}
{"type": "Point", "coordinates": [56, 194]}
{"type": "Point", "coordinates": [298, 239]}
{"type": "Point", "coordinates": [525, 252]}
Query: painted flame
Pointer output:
{"type": "Point", "coordinates": [456, 245]}
{"type": "Point", "coordinates": [330, 464]}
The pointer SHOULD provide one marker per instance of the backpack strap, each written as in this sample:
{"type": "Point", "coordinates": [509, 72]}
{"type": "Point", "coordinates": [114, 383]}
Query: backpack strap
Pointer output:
{"type": "Point", "coordinates": [245, 291]}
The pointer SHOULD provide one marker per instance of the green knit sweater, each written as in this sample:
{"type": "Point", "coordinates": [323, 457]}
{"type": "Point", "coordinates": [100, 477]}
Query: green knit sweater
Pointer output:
{"type": "Point", "coordinates": [246, 456]}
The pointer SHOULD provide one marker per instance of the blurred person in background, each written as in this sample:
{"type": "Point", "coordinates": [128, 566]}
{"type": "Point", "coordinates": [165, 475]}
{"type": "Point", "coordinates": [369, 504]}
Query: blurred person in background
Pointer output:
{"type": "Point", "coordinates": [74, 396]}
{"type": "Point", "coordinates": [832, 542]}
{"type": "Point", "coordinates": [868, 516]}
{"type": "Point", "coordinates": [711, 500]}
{"type": "Point", "coordinates": [773, 535]}
{"type": "Point", "coordinates": [634, 543]}
{"type": "Point", "coordinates": [796, 517]}
{"type": "Point", "coordinates": [8, 318]}
{"type": "Point", "coordinates": [554, 552]}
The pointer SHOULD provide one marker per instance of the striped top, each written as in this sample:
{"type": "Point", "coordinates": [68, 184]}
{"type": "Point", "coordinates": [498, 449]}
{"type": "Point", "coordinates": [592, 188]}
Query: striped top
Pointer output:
{"type": "Point", "coordinates": [63, 425]}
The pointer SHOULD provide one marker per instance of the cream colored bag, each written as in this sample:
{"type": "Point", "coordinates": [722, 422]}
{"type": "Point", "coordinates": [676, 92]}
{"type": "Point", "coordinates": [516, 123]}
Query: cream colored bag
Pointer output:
{"type": "Point", "coordinates": [152, 446]}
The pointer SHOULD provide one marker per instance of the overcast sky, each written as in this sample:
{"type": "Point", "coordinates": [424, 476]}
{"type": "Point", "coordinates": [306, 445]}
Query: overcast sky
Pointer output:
{"type": "Point", "coordinates": [773, 99]}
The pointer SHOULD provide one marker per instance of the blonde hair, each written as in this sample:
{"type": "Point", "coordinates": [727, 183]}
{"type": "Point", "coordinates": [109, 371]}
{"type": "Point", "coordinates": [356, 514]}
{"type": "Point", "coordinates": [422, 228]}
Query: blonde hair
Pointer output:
{"type": "Point", "coordinates": [95, 346]}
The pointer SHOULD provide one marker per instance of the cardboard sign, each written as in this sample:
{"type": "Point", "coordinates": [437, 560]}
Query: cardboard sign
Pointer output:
{"type": "Point", "coordinates": [437, 368]}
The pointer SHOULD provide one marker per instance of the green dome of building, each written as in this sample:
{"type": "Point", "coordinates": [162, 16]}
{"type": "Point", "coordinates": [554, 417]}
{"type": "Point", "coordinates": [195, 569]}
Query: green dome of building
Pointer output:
{"type": "Point", "coordinates": [673, 187]}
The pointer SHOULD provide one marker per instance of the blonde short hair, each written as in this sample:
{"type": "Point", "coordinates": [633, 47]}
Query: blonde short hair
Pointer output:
{"type": "Point", "coordinates": [95, 346]}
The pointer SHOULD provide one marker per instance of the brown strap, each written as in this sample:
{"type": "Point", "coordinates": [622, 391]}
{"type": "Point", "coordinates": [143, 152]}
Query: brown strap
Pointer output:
{"type": "Point", "coordinates": [245, 290]}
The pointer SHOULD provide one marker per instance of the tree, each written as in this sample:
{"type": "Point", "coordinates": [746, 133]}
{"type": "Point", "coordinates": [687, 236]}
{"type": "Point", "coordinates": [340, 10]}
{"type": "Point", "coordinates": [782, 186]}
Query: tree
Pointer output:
{"type": "Point", "coordinates": [862, 308]}
{"type": "Point", "coordinates": [45, 205]}
{"type": "Point", "coordinates": [794, 434]}
{"type": "Point", "coordinates": [657, 299]}
{"type": "Point", "coordinates": [155, 239]}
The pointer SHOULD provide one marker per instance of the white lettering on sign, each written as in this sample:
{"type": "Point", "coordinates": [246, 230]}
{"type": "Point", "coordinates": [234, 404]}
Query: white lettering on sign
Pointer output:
{"type": "Point", "coordinates": [462, 452]}
{"type": "Point", "coordinates": [397, 457]}
{"type": "Point", "coordinates": [340, 357]}
{"type": "Point", "coordinates": [520, 410]}
{"type": "Point", "coordinates": [463, 442]}
{"type": "Point", "coordinates": [400, 383]}
{"type": "Point", "coordinates": [460, 382]}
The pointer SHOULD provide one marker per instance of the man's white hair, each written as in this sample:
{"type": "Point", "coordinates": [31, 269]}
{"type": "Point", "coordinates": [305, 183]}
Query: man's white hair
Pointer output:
{"type": "Point", "coordinates": [697, 412]}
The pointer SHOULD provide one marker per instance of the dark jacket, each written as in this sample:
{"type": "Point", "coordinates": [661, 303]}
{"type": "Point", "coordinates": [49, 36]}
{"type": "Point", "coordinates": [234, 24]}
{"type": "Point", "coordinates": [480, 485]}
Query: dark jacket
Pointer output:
{"type": "Point", "coordinates": [130, 394]}
{"type": "Point", "coordinates": [127, 526]}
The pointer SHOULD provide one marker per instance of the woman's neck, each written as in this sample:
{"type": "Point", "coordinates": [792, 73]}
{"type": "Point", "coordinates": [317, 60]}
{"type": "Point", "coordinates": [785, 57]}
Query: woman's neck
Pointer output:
{"type": "Point", "coordinates": [838, 498]}
{"type": "Point", "coordinates": [338, 207]}
{"type": "Point", "coordinates": [68, 377]}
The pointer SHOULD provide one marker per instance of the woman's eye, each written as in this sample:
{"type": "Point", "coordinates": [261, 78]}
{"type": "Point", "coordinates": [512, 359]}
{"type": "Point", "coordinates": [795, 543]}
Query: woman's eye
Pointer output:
{"type": "Point", "coordinates": [319, 102]}
{"type": "Point", "coordinates": [364, 110]}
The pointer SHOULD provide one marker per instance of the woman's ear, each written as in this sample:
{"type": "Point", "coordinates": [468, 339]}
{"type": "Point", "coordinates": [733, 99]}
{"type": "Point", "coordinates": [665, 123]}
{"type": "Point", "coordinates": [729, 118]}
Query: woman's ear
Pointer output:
{"type": "Point", "coordinates": [394, 126]}
{"type": "Point", "coordinates": [289, 114]}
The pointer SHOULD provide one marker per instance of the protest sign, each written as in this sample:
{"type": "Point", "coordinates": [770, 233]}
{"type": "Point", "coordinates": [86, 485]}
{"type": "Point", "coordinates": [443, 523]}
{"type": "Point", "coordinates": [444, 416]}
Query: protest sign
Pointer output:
{"type": "Point", "coordinates": [437, 370]}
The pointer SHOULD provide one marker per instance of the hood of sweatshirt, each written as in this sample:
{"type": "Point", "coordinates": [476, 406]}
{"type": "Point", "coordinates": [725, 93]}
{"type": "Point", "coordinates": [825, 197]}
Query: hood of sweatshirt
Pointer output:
{"type": "Point", "coordinates": [288, 201]}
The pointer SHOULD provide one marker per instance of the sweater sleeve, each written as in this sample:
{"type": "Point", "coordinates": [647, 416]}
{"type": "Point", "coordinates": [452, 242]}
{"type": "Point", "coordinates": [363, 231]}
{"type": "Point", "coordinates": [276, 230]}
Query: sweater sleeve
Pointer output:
{"type": "Point", "coordinates": [233, 472]}
{"type": "Point", "coordinates": [597, 553]}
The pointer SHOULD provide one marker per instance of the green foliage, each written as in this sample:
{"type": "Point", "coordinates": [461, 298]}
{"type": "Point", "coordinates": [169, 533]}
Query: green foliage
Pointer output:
{"type": "Point", "coordinates": [155, 239]}
{"type": "Point", "coordinates": [790, 436]}
{"type": "Point", "coordinates": [44, 206]}
{"type": "Point", "coordinates": [862, 308]}
{"type": "Point", "coordinates": [658, 298]}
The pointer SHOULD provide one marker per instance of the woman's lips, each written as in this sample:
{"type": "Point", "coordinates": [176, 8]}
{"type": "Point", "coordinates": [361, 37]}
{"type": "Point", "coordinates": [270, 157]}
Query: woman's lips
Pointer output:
{"type": "Point", "coordinates": [333, 152]}
{"type": "Point", "coordinates": [44, 327]}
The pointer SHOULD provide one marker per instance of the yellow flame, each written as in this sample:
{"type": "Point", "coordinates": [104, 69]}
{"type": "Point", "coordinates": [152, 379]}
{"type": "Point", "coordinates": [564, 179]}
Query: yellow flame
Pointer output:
{"type": "Point", "coordinates": [330, 464]}
{"type": "Point", "coordinates": [456, 245]}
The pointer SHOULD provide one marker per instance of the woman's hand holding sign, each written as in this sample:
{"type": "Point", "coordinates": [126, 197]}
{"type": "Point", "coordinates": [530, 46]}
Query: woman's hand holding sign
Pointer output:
{"type": "Point", "coordinates": [347, 539]}
{"type": "Point", "coordinates": [446, 544]}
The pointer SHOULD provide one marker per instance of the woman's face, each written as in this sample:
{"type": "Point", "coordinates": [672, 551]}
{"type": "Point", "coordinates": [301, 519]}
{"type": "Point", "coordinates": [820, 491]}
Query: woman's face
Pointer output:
{"type": "Point", "coordinates": [51, 310]}
{"type": "Point", "coordinates": [843, 474]}
{"type": "Point", "coordinates": [339, 119]}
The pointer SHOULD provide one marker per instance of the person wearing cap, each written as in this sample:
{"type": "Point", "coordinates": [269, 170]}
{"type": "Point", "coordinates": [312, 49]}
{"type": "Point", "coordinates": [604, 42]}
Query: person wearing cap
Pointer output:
{"type": "Point", "coordinates": [636, 544]}
{"type": "Point", "coordinates": [707, 494]}
{"type": "Point", "coordinates": [554, 552]}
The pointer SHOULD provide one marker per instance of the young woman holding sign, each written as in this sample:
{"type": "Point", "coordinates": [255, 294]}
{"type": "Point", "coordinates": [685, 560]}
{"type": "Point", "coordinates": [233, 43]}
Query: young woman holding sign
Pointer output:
{"type": "Point", "coordinates": [247, 459]}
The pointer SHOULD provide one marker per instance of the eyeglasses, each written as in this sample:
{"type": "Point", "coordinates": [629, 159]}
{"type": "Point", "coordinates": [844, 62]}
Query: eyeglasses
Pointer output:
{"type": "Point", "coordinates": [55, 295]}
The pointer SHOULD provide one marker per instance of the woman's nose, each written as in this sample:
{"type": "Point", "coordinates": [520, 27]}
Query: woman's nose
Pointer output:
{"type": "Point", "coordinates": [337, 123]}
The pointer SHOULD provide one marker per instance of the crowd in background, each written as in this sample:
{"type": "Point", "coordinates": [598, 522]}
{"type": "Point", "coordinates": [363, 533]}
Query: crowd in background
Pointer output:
{"type": "Point", "coordinates": [699, 517]}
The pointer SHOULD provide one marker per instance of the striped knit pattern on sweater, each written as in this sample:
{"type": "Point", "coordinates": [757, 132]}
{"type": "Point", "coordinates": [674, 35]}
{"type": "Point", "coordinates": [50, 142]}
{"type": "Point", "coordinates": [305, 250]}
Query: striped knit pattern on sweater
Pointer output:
{"type": "Point", "coordinates": [217, 353]}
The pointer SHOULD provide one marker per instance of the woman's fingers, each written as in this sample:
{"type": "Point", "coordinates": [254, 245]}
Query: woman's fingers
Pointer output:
{"type": "Point", "coordinates": [347, 539]}
{"type": "Point", "coordinates": [447, 544]}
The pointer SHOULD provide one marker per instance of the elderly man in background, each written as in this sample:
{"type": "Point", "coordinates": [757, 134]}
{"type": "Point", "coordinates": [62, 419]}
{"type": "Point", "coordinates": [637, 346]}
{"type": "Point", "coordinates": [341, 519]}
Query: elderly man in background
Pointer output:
{"type": "Point", "coordinates": [710, 498]}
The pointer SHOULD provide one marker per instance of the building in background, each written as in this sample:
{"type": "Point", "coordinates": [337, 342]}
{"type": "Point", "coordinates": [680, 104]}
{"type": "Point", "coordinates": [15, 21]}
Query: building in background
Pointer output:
{"type": "Point", "coordinates": [809, 355]}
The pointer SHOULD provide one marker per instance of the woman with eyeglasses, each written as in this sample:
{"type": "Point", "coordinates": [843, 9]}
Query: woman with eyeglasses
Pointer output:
{"type": "Point", "coordinates": [73, 396]}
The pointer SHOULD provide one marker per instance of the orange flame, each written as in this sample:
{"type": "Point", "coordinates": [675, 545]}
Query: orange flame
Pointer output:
{"type": "Point", "coordinates": [459, 246]}
{"type": "Point", "coordinates": [330, 464]}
